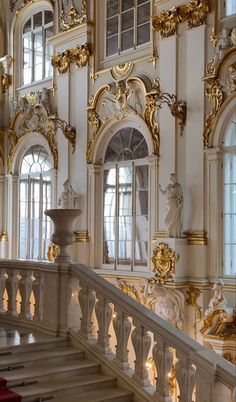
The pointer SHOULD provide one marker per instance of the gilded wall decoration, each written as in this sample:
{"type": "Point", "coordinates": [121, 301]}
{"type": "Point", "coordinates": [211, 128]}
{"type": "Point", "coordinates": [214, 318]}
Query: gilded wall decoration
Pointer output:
{"type": "Point", "coordinates": [141, 296]}
{"type": "Point", "coordinates": [121, 71]}
{"type": "Point", "coordinates": [220, 83]}
{"type": "Point", "coordinates": [53, 252]}
{"type": "Point", "coordinates": [73, 18]}
{"type": "Point", "coordinates": [164, 259]}
{"type": "Point", "coordinates": [195, 13]}
{"type": "Point", "coordinates": [132, 96]}
{"type": "Point", "coordinates": [78, 55]}
{"type": "Point", "coordinates": [2, 133]}
{"type": "Point", "coordinates": [166, 22]}
{"type": "Point", "coordinates": [31, 114]}
{"type": "Point", "coordinates": [81, 236]}
{"type": "Point", "coordinates": [193, 295]}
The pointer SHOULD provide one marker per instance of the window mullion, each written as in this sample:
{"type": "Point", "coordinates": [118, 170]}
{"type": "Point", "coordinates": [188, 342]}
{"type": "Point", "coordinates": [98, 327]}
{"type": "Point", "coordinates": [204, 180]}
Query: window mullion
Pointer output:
{"type": "Point", "coordinates": [133, 197]}
{"type": "Point", "coordinates": [29, 219]}
{"type": "Point", "coordinates": [40, 216]}
{"type": "Point", "coordinates": [117, 219]}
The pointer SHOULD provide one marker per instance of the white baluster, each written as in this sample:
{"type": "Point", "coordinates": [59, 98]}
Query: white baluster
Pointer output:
{"type": "Point", "coordinates": [186, 377]}
{"type": "Point", "coordinates": [25, 287]}
{"type": "Point", "coordinates": [141, 342]}
{"type": "Point", "coordinates": [2, 288]}
{"type": "Point", "coordinates": [122, 328]}
{"type": "Point", "coordinates": [12, 289]}
{"type": "Point", "coordinates": [103, 312]}
{"type": "Point", "coordinates": [87, 302]}
{"type": "Point", "coordinates": [38, 289]}
{"type": "Point", "coordinates": [163, 359]}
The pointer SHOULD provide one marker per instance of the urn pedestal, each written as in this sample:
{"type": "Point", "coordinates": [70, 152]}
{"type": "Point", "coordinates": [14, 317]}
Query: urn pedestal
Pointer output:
{"type": "Point", "coordinates": [63, 235]}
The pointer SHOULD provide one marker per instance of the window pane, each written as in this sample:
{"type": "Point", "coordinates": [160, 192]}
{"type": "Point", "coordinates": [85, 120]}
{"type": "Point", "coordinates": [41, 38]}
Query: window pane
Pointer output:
{"type": "Point", "coordinates": [112, 8]}
{"type": "Point", "coordinates": [230, 7]}
{"type": "Point", "coordinates": [127, 4]}
{"type": "Point", "coordinates": [27, 26]}
{"type": "Point", "coordinates": [38, 72]}
{"type": "Point", "coordinates": [143, 34]}
{"type": "Point", "coordinates": [38, 40]}
{"type": "Point", "coordinates": [37, 20]}
{"type": "Point", "coordinates": [142, 1]}
{"type": "Point", "coordinates": [48, 17]}
{"type": "Point", "coordinates": [143, 14]}
{"type": "Point", "coordinates": [230, 138]}
{"type": "Point", "coordinates": [112, 45]}
{"type": "Point", "coordinates": [127, 20]}
{"type": "Point", "coordinates": [127, 40]}
{"type": "Point", "coordinates": [112, 26]}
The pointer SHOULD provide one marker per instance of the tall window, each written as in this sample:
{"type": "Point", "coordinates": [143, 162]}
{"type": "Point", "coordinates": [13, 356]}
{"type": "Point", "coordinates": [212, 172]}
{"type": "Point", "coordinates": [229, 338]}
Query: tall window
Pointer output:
{"type": "Point", "coordinates": [36, 49]}
{"type": "Point", "coordinates": [125, 211]}
{"type": "Point", "coordinates": [35, 198]}
{"type": "Point", "coordinates": [230, 7]}
{"type": "Point", "coordinates": [230, 199]}
{"type": "Point", "coordinates": [127, 25]}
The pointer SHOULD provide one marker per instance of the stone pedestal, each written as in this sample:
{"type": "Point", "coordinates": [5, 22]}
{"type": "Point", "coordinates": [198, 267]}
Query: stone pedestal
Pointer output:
{"type": "Point", "coordinates": [63, 235]}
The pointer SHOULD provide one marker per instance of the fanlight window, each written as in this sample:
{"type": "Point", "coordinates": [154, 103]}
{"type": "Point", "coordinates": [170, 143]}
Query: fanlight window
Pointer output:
{"type": "Point", "coordinates": [127, 25]}
{"type": "Point", "coordinates": [36, 49]}
{"type": "Point", "coordinates": [125, 211]}
{"type": "Point", "coordinates": [230, 7]}
{"type": "Point", "coordinates": [35, 198]}
{"type": "Point", "coordinates": [230, 199]}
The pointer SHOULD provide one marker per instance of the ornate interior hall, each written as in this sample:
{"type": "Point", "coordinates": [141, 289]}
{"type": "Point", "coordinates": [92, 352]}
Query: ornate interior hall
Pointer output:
{"type": "Point", "coordinates": [118, 200]}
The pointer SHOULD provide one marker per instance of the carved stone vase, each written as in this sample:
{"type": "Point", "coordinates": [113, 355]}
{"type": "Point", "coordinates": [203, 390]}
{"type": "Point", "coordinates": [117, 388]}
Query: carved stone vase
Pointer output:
{"type": "Point", "coordinates": [63, 235]}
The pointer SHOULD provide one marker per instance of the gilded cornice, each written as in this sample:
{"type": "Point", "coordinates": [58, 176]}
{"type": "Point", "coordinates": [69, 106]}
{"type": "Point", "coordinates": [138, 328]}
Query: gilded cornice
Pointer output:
{"type": "Point", "coordinates": [194, 13]}
{"type": "Point", "coordinates": [78, 55]}
{"type": "Point", "coordinates": [220, 86]}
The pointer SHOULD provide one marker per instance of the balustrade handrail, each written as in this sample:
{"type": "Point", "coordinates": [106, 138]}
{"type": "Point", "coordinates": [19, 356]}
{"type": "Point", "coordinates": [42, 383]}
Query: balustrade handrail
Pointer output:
{"type": "Point", "coordinates": [165, 336]}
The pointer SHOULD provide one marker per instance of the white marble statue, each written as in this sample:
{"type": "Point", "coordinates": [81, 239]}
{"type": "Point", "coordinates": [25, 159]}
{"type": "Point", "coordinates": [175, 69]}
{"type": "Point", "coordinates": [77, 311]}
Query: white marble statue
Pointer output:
{"type": "Point", "coordinates": [68, 198]}
{"type": "Point", "coordinates": [174, 207]}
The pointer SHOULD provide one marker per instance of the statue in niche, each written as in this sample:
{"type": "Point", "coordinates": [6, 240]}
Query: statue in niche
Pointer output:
{"type": "Point", "coordinates": [68, 198]}
{"type": "Point", "coordinates": [174, 207]}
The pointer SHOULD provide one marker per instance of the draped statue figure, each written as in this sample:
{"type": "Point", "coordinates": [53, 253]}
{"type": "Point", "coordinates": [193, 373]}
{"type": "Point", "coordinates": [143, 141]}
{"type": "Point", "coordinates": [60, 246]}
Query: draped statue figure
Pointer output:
{"type": "Point", "coordinates": [174, 207]}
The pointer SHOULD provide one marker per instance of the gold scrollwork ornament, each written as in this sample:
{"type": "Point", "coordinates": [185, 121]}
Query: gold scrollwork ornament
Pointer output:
{"type": "Point", "coordinates": [164, 259]}
{"type": "Point", "coordinates": [78, 55]}
{"type": "Point", "coordinates": [214, 94]}
{"type": "Point", "coordinates": [195, 12]}
{"type": "Point", "coordinates": [166, 22]}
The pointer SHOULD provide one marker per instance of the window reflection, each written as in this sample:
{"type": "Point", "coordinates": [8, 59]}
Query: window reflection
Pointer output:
{"type": "Point", "coordinates": [125, 220]}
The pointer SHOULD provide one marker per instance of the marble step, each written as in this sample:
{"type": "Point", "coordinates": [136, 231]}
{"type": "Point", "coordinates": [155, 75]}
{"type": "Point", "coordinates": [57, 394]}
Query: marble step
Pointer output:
{"type": "Point", "coordinates": [47, 390]}
{"type": "Point", "coordinates": [30, 343]}
{"type": "Point", "coordinates": [31, 358]}
{"type": "Point", "coordinates": [42, 372]}
{"type": "Point", "coordinates": [114, 394]}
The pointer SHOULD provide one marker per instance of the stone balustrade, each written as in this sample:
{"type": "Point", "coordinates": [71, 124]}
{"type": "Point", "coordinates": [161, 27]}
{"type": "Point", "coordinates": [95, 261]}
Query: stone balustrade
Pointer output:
{"type": "Point", "coordinates": [57, 297]}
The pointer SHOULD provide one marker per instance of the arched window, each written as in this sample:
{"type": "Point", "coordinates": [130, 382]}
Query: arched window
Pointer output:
{"type": "Point", "coordinates": [125, 206]}
{"type": "Point", "coordinates": [230, 199]}
{"type": "Point", "coordinates": [230, 7]}
{"type": "Point", "coordinates": [36, 49]}
{"type": "Point", "coordinates": [35, 198]}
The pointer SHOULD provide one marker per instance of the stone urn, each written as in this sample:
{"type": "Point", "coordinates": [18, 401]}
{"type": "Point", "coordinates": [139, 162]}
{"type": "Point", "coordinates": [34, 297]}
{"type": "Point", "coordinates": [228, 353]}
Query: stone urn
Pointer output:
{"type": "Point", "coordinates": [63, 235]}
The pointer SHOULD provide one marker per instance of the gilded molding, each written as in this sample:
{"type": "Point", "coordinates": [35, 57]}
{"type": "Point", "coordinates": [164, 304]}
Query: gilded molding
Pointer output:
{"type": "Point", "coordinates": [166, 22]}
{"type": "Point", "coordinates": [4, 236]}
{"type": "Point", "coordinates": [53, 252]}
{"type": "Point", "coordinates": [164, 259]}
{"type": "Point", "coordinates": [67, 129]}
{"type": "Point", "coordinates": [220, 85]}
{"type": "Point", "coordinates": [6, 81]}
{"type": "Point", "coordinates": [81, 236]}
{"type": "Point", "coordinates": [34, 113]}
{"type": "Point", "coordinates": [78, 55]}
{"type": "Point", "coordinates": [73, 18]}
{"type": "Point", "coordinates": [195, 13]}
{"type": "Point", "coordinates": [140, 297]}
{"type": "Point", "coordinates": [196, 238]}
{"type": "Point", "coordinates": [150, 119]}
{"type": "Point", "coordinates": [121, 70]}
{"type": "Point", "coordinates": [193, 294]}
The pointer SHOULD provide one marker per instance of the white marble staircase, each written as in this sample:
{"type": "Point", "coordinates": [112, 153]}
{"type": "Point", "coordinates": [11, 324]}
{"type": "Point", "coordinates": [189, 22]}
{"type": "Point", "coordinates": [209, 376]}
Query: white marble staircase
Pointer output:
{"type": "Point", "coordinates": [52, 370]}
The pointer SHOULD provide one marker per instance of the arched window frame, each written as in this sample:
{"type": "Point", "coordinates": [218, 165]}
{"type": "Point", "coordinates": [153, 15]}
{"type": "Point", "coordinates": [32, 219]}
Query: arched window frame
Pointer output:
{"type": "Point", "coordinates": [17, 42]}
{"type": "Point", "coordinates": [229, 206]}
{"type": "Point", "coordinates": [12, 212]}
{"type": "Point", "coordinates": [95, 193]}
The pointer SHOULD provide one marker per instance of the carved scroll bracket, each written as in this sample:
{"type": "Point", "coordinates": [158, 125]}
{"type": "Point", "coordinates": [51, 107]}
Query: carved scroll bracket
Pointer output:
{"type": "Point", "coordinates": [78, 55]}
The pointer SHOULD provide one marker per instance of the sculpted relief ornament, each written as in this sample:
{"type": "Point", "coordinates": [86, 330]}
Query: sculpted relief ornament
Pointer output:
{"type": "Point", "coordinates": [78, 55]}
{"type": "Point", "coordinates": [164, 259]}
{"type": "Point", "coordinates": [73, 15]}
{"type": "Point", "coordinates": [130, 96]}
{"type": "Point", "coordinates": [194, 12]}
